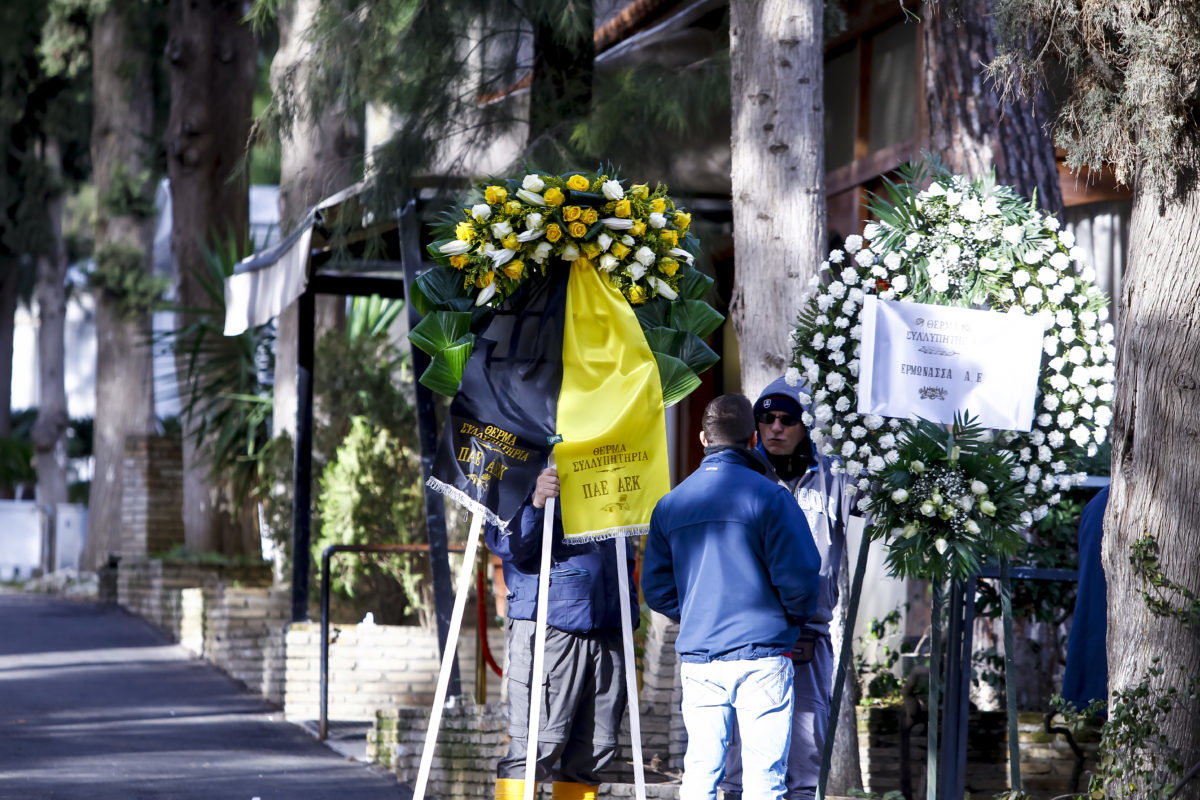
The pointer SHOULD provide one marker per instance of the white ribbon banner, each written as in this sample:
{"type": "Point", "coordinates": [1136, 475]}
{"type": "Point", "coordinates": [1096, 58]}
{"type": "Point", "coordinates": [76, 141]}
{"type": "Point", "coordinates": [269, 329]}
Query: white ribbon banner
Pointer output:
{"type": "Point", "coordinates": [920, 360]}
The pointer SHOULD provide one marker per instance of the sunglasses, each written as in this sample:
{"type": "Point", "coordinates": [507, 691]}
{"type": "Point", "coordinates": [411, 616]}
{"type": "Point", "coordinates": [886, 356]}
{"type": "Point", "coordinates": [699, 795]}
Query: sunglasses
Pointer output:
{"type": "Point", "coordinates": [786, 420]}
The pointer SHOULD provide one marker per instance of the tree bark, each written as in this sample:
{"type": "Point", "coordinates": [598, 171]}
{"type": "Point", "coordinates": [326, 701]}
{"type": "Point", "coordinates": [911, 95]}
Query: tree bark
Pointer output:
{"type": "Point", "coordinates": [121, 132]}
{"type": "Point", "coordinates": [845, 769]}
{"type": "Point", "coordinates": [970, 124]}
{"type": "Point", "coordinates": [49, 432]}
{"type": "Point", "coordinates": [1156, 455]}
{"type": "Point", "coordinates": [318, 158]}
{"type": "Point", "coordinates": [776, 60]}
{"type": "Point", "coordinates": [9, 293]}
{"type": "Point", "coordinates": [211, 55]}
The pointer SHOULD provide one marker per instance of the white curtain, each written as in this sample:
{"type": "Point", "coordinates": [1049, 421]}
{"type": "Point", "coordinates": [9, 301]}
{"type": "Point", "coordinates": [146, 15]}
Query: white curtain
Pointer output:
{"type": "Point", "coordinates": [1102, 230]}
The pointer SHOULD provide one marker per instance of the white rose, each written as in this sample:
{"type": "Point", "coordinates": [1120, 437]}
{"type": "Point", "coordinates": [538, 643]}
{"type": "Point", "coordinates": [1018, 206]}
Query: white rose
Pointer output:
{"type": "Point", "coordinates": [609, 262]}
{"type": "Point", "coordinates": [1012, 234]}
{"type": "Point", "coordinates": [604, 240]}
{"type": "Point", "coordinates": [533, 183]}
{"type": "Point", "coordinates": [481, 211]}
{"type": "Point", "coordinates": [657, 220]}
{"type": "Point", "coordinates": [644, 256]}
{"type": "Point", "coordinates": [978, 487]}
{"type": "Point", "coordinates": [542, 252]}
{"type": "Point", "coordinates": [501, 229]}
{"type": "Point", "coordinates": [612, 190]}
{"type": "Point", "coordinates": [955, 229]}
{"type": "Point", "coordinates": [900, 495]}
{"type": "Point", "coordinates": [569, 253]}
{"type": "Point", "coordinates": [970, 210]}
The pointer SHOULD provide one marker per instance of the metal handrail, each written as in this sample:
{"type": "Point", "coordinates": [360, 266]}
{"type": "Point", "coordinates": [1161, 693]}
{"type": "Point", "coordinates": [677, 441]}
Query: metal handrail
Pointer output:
{"type": "Point", "coordinates": [326, 557]}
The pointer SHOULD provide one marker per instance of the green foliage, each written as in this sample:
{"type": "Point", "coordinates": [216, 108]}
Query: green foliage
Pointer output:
{"type": "Point", "coordinates": [1129, 72]}
{"type": "Point", "coordinates": [880, 684]}
{"type": "Point", "coordinates": [129, 194]}
{"type": "Point", "coordinates": [226, 406]}
{"type": "Point", "coordinates": [121, 272]}
{"type": "Point", "coordinates": [372, 494]}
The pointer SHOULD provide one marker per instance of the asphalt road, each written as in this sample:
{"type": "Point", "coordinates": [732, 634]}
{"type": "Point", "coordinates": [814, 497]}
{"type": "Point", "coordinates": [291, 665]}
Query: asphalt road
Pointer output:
{"type": "Point", "coordinates": [95, 704]}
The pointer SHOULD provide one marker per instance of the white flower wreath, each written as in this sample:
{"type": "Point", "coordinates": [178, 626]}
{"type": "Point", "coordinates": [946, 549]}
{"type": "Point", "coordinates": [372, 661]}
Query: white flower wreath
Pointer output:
{"type": "Point", "coordinates": [974, 244]}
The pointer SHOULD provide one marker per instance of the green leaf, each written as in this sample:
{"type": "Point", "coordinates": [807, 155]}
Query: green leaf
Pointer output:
{"type": "Point", "coordinates": [695, 316]}
{"type": "Point", "coordinates": [440, 330]}
{"type": "Point", "coordinates": [445, 371]}
{"type": "Point", "coordinates": [654, 313]}
{"type": "Point", "coordinates": [678, 381]}
{"type": "Point", "coordinates": [696, 354]}
{"type": "Point", "coordinates": [694, 284]}
{"type": "Point", "coordinates": [665, 340]}
{"type": "Point", "coordinates": [440, 288]}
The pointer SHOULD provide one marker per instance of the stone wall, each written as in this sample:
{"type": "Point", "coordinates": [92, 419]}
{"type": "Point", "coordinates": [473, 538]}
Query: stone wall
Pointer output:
{"type": "Point", "coordinates": [151, 497]}
{"type": "Point", "coordinates": [1047, 761]}
{"type": "Point", "coordinates": [373, 667]}
{"type": "Point", "coordinates": [153, 588]}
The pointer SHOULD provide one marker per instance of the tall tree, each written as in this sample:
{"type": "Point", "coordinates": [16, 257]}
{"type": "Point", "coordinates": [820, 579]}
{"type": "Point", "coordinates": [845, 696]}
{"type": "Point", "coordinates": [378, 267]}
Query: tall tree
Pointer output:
{"type": "Point", "coordinates": [1131, 104]}
{"type": "Point", "coordinates": [211, 55]}
{"type": "Point", "coordinates": [49, 431]}
{"type": "Point", "coordinates": [322, 151]}
{"type": "Point", "coordinates": [122, 154]}
{"type": "Point", "coordinates": [778, 188]}
{"type": "Point", "coordinates": [972, 126]}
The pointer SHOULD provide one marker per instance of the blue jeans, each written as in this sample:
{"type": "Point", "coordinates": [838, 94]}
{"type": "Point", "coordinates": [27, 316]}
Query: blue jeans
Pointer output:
{"type": "Point", "coordinates": [759, 693]}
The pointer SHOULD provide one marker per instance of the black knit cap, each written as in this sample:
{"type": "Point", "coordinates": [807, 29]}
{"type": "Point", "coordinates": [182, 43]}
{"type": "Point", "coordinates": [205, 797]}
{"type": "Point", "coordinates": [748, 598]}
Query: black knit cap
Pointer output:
{"type": "Point", "coordinates": [779, 403]}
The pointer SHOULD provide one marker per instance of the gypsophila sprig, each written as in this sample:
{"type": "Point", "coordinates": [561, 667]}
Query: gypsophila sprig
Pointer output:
{"type": "Point", "coordinates": [637, 235]}
{"type": "Point", "coordinates": [947, 498]}
{"type": "Point", "coordinates": [967, 243]}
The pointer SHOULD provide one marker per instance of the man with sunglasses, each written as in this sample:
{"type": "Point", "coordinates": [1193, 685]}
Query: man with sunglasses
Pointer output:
{"type": "Point", "coordinates": [821, 494]}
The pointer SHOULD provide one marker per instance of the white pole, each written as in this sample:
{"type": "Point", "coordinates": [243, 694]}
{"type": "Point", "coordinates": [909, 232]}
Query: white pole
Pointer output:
{"type": "Point", "coordinates": [635, 719]}
{"type": "Point", "coordinates": [443, 684]}
{"type": "Point", "coordinates": [539, 647]}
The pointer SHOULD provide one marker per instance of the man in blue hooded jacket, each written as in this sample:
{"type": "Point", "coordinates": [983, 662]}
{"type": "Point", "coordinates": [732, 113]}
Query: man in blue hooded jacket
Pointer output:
{"type": "Point", "coordinates": [780, 414]}
{"type": "Point", "coordinates": [729, 557]}
{"type": "Point", "coordinates": [584, 688]}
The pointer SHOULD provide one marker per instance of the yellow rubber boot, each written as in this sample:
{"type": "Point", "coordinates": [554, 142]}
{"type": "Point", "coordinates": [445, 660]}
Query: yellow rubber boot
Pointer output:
{"type": "Point", "coordinates": [574, 791]}
{"type": "Point", "coordinates": [512, 789]}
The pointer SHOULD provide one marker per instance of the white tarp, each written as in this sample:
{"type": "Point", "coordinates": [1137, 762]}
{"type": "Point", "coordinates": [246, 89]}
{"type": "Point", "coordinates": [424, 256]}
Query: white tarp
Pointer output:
{"type": "Point", "coordinates": [930, 361]}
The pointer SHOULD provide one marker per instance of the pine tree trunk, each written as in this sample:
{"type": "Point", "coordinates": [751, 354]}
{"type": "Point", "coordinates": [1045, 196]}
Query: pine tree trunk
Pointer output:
{"type": "Point", "coordinates": [776, 59]}
{"type": "Point", "coordinates": [319, 158]}
{"type": "Point", "coordinates": [212, 56]}
{"type": "Point", "coordinates": [8, 313]}
{"type": "Point", "coordinates": [1156, 457]}
{"type": "Point", "coordinates": [121, 133]}
{"type": "Point", "coordinates": [969, 124]}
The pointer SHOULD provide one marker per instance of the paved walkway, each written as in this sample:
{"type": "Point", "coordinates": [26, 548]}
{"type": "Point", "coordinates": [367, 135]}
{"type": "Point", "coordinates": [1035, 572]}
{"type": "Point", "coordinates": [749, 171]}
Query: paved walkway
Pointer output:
{"type": "Point", "coordinates": [95, 704]}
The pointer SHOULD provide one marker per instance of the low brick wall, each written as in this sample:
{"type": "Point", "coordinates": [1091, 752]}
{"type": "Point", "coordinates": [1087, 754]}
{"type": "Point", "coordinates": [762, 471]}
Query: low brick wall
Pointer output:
{"type": "Point", "coordinates": [1047, 761]}
{"type": "Point", "coordinates": [152, 588]}
{"type": "Point", "coordinates": [240, 630]}
{"type": "Point", "coordinates": [374, 667]}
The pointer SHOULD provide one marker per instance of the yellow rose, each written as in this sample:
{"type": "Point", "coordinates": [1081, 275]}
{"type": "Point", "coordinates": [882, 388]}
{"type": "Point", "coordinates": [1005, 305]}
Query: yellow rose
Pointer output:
{"type": "Point", "coordinates": [591, 249]}
{"type": "Point", "coordinates": [637, 295]}
{"type": "Point", "coordinates": [640, 190]}
{"type": "Point", "coordinates": [463, 232]}
{"type": "Point", "coordinates": [619, 250]}
{"type": "Point", "coordinates": [485, 280]}
{"type": "Point", "coordinates": [495, 194]}
{"type": "Point", "coordinates": [590, 215]}
{"type": "Point", "coordinates": [670, 237]}
{"type": "Point", "coordinates": [577, 229]}
{"type": "Point", "coordinates": [572, 213]}
{"type": "Point", "coordinates": [458, 262]}
{"type": "Point", "coordinates": [553, 233]}
{"type": "Point", "coordinates": [621, 209]}
{"type": "Point", "coordinates": [658, 205]}
{"type": "Point", "coordinates": [515, 269]}
{"type": "Point", "coordinates": [669, 266]}
{"type": "Point", "coordinates": [510, 242]}
{"type": "Point", "coordinates": [554, 197]}
{"type": "Point", "coordinates": [682, 220]}
{"type": "Point", "coordinates": [578, 183]}
{"type": "Point", "coordinates": [638, 228]}
{"type": "Point", "coordinates": [513, 207]}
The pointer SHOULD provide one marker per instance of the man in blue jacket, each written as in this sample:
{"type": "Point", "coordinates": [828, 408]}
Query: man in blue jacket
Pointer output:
{"type": "Point", "coordinates": [583, 687]}
{"type": "Point", "coordinates": [730, 557]}
{"type": "Point", "coordinates": [821, 494]}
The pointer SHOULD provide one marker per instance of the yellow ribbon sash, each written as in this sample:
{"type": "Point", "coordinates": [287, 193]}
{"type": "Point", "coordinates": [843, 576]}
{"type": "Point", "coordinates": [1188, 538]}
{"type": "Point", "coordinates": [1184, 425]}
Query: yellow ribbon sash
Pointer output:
{"type": "Point", "coordinates": [612, 462]}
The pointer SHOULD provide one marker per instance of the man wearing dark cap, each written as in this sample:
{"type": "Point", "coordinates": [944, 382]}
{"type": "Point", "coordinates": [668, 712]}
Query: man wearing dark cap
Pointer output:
{"type": "Point", "coordinates": [741, 577]}
{"type": "Point", "coordinates": [780, 414]}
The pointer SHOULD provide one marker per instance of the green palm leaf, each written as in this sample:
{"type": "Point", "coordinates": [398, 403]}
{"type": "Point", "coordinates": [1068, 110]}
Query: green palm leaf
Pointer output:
{"type": "Point", "coordinates": [445, 371]}
{"type": "Point", "coordinates": [695, 316]}
{"type": "Point", "coordinates": [678, 381]}
{"type": "Point", "coordinates": [440, 330]}
{"type": "Point", "coordinates": [440, 288]}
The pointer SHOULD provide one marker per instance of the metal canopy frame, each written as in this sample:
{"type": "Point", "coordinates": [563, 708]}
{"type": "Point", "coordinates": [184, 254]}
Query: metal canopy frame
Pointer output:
{"type": "Point", "coordinates": [395, 258]}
